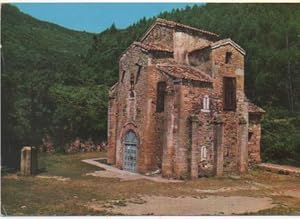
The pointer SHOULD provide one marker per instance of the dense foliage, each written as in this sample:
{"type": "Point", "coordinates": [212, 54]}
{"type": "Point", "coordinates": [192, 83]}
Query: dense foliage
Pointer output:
{"type": "Point", "coordinates": [55, 80]}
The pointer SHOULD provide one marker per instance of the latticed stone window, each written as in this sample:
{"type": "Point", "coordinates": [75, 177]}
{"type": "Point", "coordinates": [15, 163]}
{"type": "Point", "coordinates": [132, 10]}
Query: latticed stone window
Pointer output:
{"type": "Point", "coordinates": [161, 90]}
{"type": "Point", "coordinates": [131, 81]}
{"type": "Point", "coordinates": [205, 104]}
{"type": "Point", "coordinates": [203, 153]}
{"type": "Point", "coordinates": [229, 93]}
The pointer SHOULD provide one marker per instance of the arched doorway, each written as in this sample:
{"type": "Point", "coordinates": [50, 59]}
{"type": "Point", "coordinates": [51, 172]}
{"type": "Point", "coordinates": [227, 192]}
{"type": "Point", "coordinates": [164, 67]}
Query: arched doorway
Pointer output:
{"type": "Point", "coordinates": [130, 151]}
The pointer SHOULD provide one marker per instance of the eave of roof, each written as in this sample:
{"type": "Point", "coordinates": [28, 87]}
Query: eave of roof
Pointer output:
{"type": "Point", "coordinates": [184, 72]}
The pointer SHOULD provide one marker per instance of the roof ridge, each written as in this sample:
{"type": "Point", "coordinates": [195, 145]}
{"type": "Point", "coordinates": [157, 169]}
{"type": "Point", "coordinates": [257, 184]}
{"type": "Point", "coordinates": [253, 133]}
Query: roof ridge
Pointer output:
{"type": "Point", "coordinates": [185, 26]}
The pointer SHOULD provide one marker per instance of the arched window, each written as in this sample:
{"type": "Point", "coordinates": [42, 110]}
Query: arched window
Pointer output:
{"type": "Point", "coordinates": [203, 153]}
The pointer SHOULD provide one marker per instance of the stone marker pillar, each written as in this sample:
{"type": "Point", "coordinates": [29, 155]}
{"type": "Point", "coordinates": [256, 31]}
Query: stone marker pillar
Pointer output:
{"type": "Point", "coordinates": [28, 161]}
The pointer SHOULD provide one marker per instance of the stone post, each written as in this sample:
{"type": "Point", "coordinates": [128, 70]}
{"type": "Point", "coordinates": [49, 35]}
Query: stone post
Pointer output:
{"type": "Point", "coordinates": [194, 149]}
{"type": "Point", "coordinates": [168, 143]}
{"type": "Point", "coordinates": [218, 146]}
{"type": "Point", "coordinates": [243, 144]}
{"type": "Point", "coordinates": [29, 164]}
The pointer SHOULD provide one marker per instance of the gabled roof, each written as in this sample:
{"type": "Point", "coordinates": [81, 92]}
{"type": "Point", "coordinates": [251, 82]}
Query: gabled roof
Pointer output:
{"type": "Point", "coordinates": [152, 47]}
{"type": "Point", "coordinates": [184, 72]}
{"type": "Point", "coordinates": [252, 108]}
{"type": "Point", "coordinates": [172, 24]}
{"type": "Point", "coordinates": [226, 42]}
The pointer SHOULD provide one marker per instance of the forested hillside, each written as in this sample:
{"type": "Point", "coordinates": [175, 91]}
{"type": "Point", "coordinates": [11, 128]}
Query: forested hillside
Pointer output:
{"type": "Point", "coordinates": [55, 80]}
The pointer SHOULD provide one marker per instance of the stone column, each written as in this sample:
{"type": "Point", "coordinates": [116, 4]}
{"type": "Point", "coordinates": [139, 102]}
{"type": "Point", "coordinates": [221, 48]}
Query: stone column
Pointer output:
{"type": "Point", "coordinates": [218, 146]}
{"type": "Point", "coordinates": [243, 145]}
{"type": "Point", "coordinates": [29, 164]}
{"type": "Point", "coordinates": [111, 131]}
{"type": "Point", "coordinates": [194, 149]}
{"type": "Point", "coordinates": [168, 143]}
{"type": "Point", "coordinates": [182, 139]}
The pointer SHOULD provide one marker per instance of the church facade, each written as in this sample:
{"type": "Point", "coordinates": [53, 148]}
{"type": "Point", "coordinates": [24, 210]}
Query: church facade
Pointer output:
{"type": "Point", "coordinates": [179, 106]}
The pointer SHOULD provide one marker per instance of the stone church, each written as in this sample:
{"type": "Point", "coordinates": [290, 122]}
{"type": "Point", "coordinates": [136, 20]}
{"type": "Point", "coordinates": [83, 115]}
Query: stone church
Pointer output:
{"type": "Point", "coordinates": [179, 106]}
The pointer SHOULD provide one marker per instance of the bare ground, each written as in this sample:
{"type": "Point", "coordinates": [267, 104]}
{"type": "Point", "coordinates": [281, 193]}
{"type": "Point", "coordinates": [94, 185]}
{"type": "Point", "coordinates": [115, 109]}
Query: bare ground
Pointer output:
{"type": "Point", "coordinates": [66, 189]}
{"type": "Point", "coordinates": [210, 205]}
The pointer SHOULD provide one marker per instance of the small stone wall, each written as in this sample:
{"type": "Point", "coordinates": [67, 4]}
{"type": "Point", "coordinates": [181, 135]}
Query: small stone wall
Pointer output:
{"type": "Point", "coordinates": [85, 146]}
{"type": "Point", "coordinates": [78, 145]}
{"type": "Point", "coordinates": [47, 145]}
{"type": "Point", "coordinates": [280, 169]}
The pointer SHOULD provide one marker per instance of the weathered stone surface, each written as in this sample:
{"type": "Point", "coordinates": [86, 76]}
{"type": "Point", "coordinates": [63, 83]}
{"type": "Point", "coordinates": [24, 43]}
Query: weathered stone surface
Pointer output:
{"type": "Point", "coordinates": [29, 162]}
{"type": "Point", "coordinates": [193, 64]}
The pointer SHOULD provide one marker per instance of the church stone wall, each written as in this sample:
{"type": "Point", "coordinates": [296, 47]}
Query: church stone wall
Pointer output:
{"type": "Point", "coordinates": [185, 140]}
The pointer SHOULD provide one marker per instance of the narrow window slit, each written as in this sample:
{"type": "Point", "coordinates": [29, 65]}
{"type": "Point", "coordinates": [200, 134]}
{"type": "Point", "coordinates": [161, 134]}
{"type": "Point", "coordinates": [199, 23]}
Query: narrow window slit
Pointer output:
{"type": "Point", "coordinates": [228, 57]}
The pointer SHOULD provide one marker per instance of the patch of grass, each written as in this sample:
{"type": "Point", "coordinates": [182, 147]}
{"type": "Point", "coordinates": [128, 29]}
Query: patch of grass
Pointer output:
{"type": "Point", "coordinates": [67, 165]}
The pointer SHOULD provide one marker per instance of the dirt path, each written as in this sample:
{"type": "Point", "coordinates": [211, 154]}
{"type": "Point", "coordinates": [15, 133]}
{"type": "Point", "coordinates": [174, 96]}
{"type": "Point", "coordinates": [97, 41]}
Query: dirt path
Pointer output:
{"type": "Point", "coordinates": [211, 205]}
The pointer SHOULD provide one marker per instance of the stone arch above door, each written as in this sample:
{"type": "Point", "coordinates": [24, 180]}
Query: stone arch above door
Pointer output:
{"type": "Point", "coordinates": [127, 127]}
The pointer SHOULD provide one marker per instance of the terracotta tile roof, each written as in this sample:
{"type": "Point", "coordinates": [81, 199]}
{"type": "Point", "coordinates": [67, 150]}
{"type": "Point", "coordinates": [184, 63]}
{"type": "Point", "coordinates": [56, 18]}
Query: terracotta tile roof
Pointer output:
{"type": "Point", "coordinates": [175, 24]}
{"type": "Point", "coordinates": [152, 47]}
{"type": "Point", "coordinates": [184, 72]}
{"type": "Point", "coordinates": [252, 108]}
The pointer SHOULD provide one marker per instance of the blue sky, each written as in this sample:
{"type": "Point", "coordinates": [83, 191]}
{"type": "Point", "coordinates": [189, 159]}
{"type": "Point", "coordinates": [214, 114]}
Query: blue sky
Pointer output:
{"type": "Point", "coordinates": [95, 17]}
